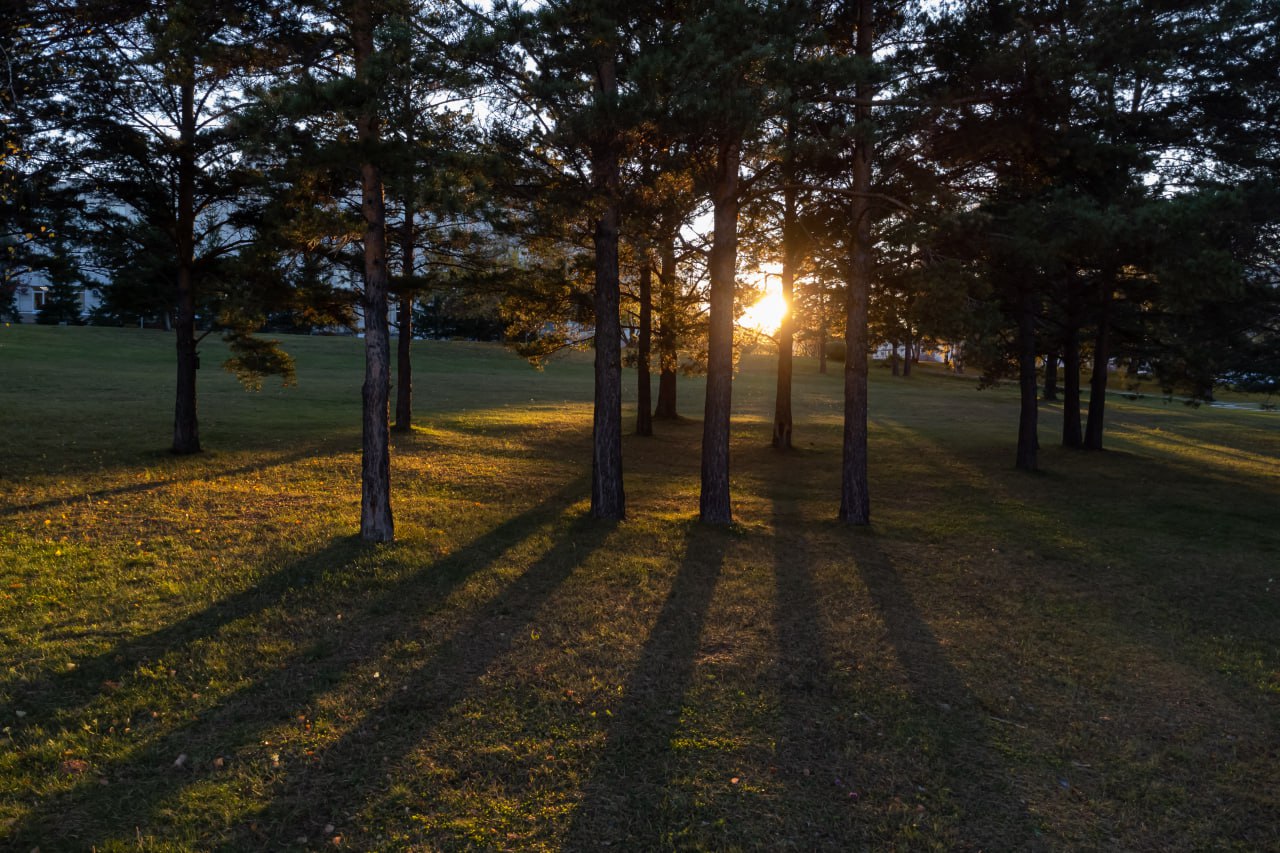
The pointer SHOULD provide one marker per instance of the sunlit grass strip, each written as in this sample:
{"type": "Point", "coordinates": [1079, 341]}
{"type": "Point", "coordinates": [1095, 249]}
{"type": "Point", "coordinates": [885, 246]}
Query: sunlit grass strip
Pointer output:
{"type": "Point", "coordinates": [1204, 453]}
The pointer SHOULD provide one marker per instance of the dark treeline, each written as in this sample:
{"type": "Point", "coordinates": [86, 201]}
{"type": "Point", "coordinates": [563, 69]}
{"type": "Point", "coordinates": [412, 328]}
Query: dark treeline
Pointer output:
{"type": "Point", "coordinates": [1050, 192]}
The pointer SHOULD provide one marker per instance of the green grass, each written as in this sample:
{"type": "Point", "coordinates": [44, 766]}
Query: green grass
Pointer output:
{"type": "Point", "coordinates": [198, 654]}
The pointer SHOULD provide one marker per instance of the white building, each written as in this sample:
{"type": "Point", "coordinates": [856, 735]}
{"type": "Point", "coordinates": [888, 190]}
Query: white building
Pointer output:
{"type": "Point", "coordinates": [31, 294]}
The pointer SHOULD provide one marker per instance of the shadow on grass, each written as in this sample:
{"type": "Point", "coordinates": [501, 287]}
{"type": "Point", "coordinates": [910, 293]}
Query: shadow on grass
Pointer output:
{"type": "Point", "coordinates": [809, 759]}
{"type": "Point", "coordinates": [991, 817]}
{"type": "Point", "coordinates": [60, 692]}
{"type": "Point", "coordinates": [353, 770]}
{"type": "Point", "coordinates": [1108, 526]}
{"type": "Point", "coordinates": [627, 801]}
{"type": "Point", "coordinates": [138, 785]}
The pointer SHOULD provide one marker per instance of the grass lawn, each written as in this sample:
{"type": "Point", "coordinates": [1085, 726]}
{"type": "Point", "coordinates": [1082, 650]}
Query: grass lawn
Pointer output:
{"type": "Point", "coordinates": [199, 655]}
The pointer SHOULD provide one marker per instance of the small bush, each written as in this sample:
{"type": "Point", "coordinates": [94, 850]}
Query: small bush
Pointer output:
{"type": "Point", "coordinates": [835, 351]}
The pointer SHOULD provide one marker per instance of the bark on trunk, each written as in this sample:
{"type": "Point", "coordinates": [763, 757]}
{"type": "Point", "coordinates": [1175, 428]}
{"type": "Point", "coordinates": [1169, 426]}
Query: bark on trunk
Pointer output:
{"type": "Point", "coordinates": [1028, 413]}
{"type": "Point", "coordinates": [665, 409]}
{"type": "Point", "coordinates": [1098, 382]}
{"type": "Point", "coordinates": [1050, 393]}
{"type": "Point", "coordinates": [713, 503]}
{"type": "Point", "coordinates": [186, 432]}
{"type": "Point", "coordinates": [375, 465]}
{"type": "Point", "coordinates": [893, 359]}
{"type": "Point", "coordinates": [782, 419]}
{"type": "Point", "coordinates": [404, 318]}
{"type": "Point", "coordinates": [668, 335]}
{"type": "Point", "coordinates": [1071, 436]}
{"type": "Point", "coordinates": [607, 497]}
{"type": "Point", "coordinates": [822, 333]}
{"type": "Point", "coordinates": [908, 356]}
{"type": "Point", "coordinates": [855, 499]}
{"type": "Point", "coordinates": [644, 388]}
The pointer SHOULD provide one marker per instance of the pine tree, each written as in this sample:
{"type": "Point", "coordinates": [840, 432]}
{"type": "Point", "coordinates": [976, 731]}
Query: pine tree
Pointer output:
{"type": "Point", "coordinates": [375, 468]}
{"type": "Point", "coordinates": [353, 120]}
{"type": "Point", "coordinates": [431, 172]}
{"type": "Point", "coordinates": [1112, 116]}
{"type": "Point", "coordinates": [156, 86]}
{"type": "Point", "coordinates": [581, 57]}
{"type": "Point", "coordinates": [37, 205]}
{"type": "Point", "coordinates": [720, 61]}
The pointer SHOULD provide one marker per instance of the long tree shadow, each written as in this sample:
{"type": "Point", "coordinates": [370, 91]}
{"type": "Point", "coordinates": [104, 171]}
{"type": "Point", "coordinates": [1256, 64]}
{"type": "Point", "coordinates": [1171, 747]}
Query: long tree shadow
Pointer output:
{"type": "Point", "coordinates": [1097, 523]}
{"type": "Point", "coordinates": [152, 485]}
{"type": "Point", "coordinates": [809, 760]}
{"type": "Point", "coordinates": [61, 692]}
{"type": "Point", "coordinates": [624, 801]}
{"type": "Point", "coordinates": [326, 654]}
{"type": "Point", "coordinates": [353, 770]}
{"type": "Point", "coordinates": [991, 816]}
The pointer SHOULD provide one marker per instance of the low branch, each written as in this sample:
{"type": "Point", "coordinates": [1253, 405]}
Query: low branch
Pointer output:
{"type": "Point", "coordinates": [844, 193]}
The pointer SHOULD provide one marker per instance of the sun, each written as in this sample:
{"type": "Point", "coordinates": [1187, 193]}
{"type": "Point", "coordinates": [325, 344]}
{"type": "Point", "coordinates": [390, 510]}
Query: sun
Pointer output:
{"type": "Point", "coordinates": [766, 315]}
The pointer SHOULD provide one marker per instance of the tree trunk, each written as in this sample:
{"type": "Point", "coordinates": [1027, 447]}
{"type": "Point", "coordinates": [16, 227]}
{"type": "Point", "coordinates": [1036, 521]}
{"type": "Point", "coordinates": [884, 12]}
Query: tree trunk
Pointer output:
{"type": "Point", "coordinates": [855, 499]}
{"type": "Point", "coordinates": [644, 389]}
{"type": "Point", "coordinates": [607, 497]}
{"type": "Point", "coordinates": [186, 432]}
{"type": "Point", "coordinates": [404, 317]}
{"type": "Point", "coordinates": [1051, 376]}
{"type": "Point", "coordinates": [1098, 382]}
{"type": "Point", "coordinates": [908, 356]}
{"type": "Point", "coordinates": [1028, 413]}
{"type": "Point", "coordinates": [893, 359]}
{"type": "Point", "coordinates": [713, 503]}
{"type": "Point", "coordinates": [822, 331]}
{"type": "Point", "coordinates": [375, 465]}
{"type": "Point", "coordinates": [1071, 436]}
{"type": "Point", "coordinates": [668, 334]}
{"type": "Point", "coordinates": [782, 420]}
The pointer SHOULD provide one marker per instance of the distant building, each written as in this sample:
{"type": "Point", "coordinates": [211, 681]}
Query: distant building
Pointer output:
{"type": "Point", "coordinates": [939, 353]}
{"type": "Point", "coordinates": [30, 296]}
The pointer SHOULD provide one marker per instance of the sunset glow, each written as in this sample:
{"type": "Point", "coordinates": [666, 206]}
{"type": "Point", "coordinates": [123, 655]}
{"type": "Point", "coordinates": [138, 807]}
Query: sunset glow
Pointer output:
{"type": "Point", "coordinates": [766, 315]}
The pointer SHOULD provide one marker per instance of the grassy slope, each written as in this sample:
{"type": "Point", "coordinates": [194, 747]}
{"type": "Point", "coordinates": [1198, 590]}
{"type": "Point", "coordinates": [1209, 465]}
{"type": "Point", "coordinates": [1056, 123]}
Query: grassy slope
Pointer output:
{"type": "Point", "coordinates": [1085, 658]}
